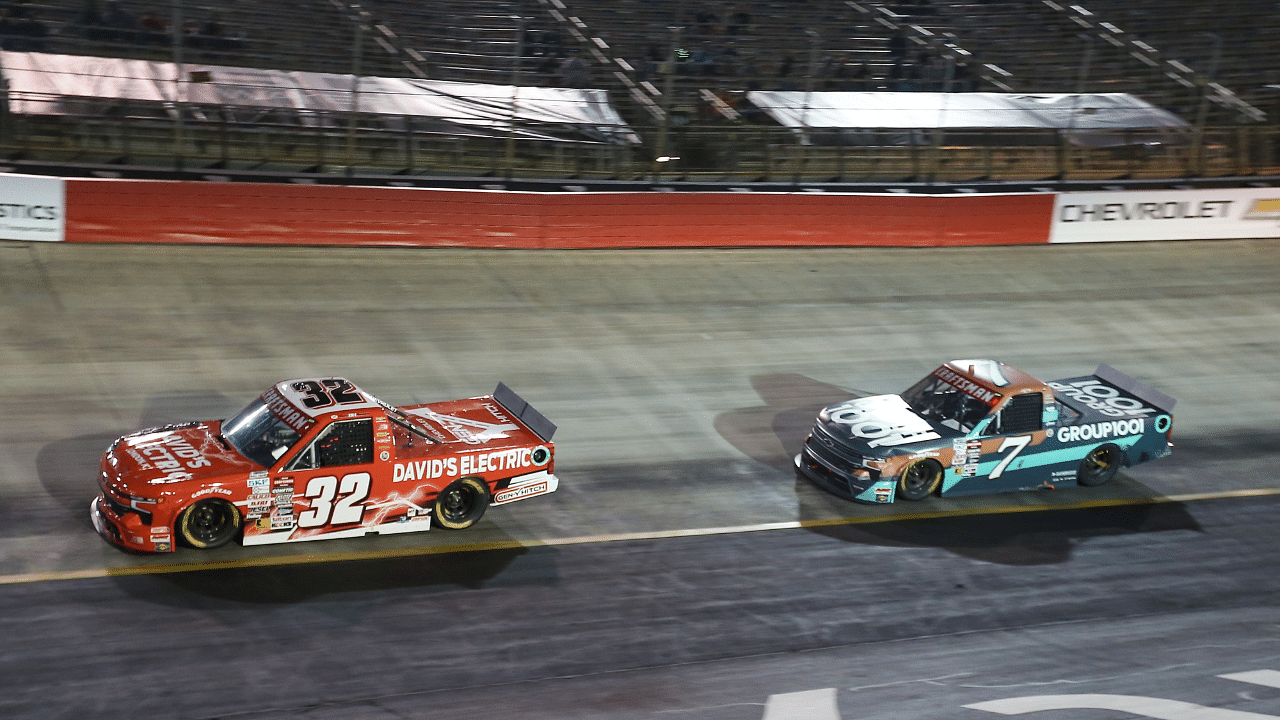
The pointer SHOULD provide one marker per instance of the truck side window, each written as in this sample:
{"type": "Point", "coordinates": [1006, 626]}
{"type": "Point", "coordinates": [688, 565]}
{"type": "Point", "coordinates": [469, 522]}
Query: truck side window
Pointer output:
{"type": "Point", "coordinates": [342, 443]}
{"type": "Point", "coordinates": [1021, 414]}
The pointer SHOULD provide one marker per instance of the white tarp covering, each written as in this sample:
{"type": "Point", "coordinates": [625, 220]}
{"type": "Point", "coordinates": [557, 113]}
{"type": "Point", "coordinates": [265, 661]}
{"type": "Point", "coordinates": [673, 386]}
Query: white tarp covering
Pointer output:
{"type": "Point", "coordinates": [47, 84]}
{"type": "Point", "coordinates": [1090, 119]}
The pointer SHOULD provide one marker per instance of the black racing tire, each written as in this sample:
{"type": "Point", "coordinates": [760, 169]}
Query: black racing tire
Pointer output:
{"type": "Point", "coordinates": [919, 479]}
{"type": "Point", "coordinates": [1099, 466]}
{"type": "Point", "coordinates": [461, 504]}
{"type": "Point", "coordinates": [210, 523]}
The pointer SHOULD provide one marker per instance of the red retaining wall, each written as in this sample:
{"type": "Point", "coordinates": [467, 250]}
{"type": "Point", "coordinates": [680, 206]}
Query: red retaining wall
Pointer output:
{"type": "Point", "coordinates": [189, 212]}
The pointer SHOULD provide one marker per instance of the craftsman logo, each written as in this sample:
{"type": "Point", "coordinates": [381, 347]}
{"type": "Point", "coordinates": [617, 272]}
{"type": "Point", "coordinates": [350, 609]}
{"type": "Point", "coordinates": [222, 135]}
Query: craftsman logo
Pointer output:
{"type": "Point", "coordinates": [967, 386]}
{"type": "Point", "coordinates": [283, 409]}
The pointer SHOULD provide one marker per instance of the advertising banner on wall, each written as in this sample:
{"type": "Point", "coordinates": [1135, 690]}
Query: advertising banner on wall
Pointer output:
{"type": "Point", "coordinates": [1166, 215]}
{"type": "Point", "coordinates": [32, 207]}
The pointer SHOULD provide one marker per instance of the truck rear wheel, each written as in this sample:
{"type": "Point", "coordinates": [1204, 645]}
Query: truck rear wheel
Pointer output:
{"type": "Point", "coordinates": [461, 505]}
{"type": "Point", "coordinates": [1099, 466]}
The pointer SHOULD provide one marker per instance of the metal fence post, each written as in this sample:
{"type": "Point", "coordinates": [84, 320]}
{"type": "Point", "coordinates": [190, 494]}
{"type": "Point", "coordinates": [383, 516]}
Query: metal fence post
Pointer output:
{"type": "Point", "coordinates": [1202, 112]}
{"type": "Point", "coordinates": [178, 85]}
{"type": "Point", "coordinates": [352, 117]}
{"type": "Point", "coordinates": [660, 147]}
{"type": "Point", "coordinates": [515, 93]}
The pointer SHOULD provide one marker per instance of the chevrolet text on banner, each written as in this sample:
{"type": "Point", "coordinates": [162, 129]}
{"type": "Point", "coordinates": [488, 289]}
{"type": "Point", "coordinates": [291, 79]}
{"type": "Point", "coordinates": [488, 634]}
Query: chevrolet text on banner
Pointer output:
{"type": "Point", "coordinates": [32, 207]}
{"type": "Point", "coordinates": [1166, 215]}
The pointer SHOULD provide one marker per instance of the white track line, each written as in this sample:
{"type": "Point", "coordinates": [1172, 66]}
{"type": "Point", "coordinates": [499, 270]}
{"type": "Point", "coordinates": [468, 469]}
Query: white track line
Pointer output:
{"type": "Point", "coordinates": [309, 558]}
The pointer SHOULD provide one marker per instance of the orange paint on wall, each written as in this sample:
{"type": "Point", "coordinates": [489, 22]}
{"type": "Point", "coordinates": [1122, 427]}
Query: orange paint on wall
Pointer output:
{"type": "Point", "coordinates": [249, 213]}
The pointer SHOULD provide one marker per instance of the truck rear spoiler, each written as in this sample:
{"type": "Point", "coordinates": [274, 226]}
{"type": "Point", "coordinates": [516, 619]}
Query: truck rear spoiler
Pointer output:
{"type": "Point", "coordinates": [532, 419]}
{"type": "Point", "coordinates": [1140, 390]}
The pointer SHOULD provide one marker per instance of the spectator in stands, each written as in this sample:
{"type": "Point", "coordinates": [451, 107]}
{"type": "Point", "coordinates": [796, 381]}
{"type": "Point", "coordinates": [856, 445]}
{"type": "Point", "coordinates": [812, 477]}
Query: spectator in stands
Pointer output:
{"type": "Point", "coordinates": [897, 47]}
{"type": "Point", "coordinates": [785, 69]}
{"type": "Point", "coordinates": [152, 30]}
{"type": "Point", "coordinates": [859, 78]}
{"type": "Point", "coordinates": [725, 62]}
{"type": "Point", "coordinates": [902, 76]}
{"type": "Point", "coordinates": [838, 76]}
{"type": "Point", "coordinates": [739, 22]}
{"type": "Point", "coordinates": [750, 72]}
{"type": "Point", "coordinates": [21, 30]}
{"type": "Point", "coordinates": [931, 73]}
{"type": "Point", "coordinates": [547, 67]}
{"type": "Point", "coordinates": [575, 72]}
{"type": "Point", "coordinates": [120, 24]}
{"type": "Point", "coordinates": [89, 23]}
{"type": "Point", "coordinates": [211, 35]}
{"type": "Point", "coordinates": [824, 74]}
{"type": "Point", "coordinates": [650, 62]}
{"type": "Point", "coordinates": [961, 80]}
{"type": "Point", "coordinates": [707, 22]}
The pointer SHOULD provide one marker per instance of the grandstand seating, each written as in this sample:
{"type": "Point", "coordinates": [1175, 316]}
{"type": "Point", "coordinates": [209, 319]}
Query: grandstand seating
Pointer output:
{"type": "Point", "coordinates": [721, 50]}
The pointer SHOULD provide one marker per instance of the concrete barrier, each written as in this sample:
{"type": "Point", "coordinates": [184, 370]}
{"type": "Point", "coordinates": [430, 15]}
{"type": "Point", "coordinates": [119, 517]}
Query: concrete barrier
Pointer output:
{"type": "Point", "coordinates": [170, 211]}
{"type": "Point", "coordinates": [183, 212]}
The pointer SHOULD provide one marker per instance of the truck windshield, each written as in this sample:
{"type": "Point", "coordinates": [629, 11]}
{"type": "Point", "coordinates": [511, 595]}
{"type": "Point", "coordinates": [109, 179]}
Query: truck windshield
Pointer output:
{"type": "Point", "coordinates": [258, 434]}
{"type": "Point", "coordinates": [938, 401]}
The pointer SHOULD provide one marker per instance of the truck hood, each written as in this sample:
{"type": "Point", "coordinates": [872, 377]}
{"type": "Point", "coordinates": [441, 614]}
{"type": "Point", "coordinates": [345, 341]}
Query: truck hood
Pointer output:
{"type": "Point", "coordinates": [172, 454]}
{"type": "Point", "coordinates": [877, 426]}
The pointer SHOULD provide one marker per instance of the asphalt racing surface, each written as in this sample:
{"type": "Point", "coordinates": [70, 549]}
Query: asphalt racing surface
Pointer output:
{"type": "Point", "coordinates": [681, 571]}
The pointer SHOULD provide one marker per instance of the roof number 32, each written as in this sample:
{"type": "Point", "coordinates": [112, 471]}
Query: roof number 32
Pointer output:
{"type": "Point", "coordinates": [323, 393]}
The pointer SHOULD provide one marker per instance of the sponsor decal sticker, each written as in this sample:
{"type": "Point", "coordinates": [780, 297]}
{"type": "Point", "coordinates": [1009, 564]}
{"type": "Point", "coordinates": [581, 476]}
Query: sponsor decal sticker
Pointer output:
{"type": "Point", "coordinates": [1102, 430]}
{"type": "Point", "coordinates": [259, 481]}
{"type": "Point", "coordinates": [471, 464]}
{"type": "Point", "coordinates": [967, 386]}
{"type": "Point", "coordinates": [1164, 210]}
{"type": "Point", "coordinates": [471, 432]}
{"type": "Point", "coordinates": [171, 453]}
{"type": "Point", "coordinates": [425, 469]}
{"type": "Point", "coordinates": [965, 456]}
{"type": "Point", "coordinates": [286, 411]}
{"type": "Point", "coordinates": [32, 208]}
{"type": "Point", "coordinates": [520, 492]}
{"type": "Point", "coordinates": [882, 420]}
{"type": "Point", "coordinates": [1105, 399]}
{"type": "Point", "coordinates": [284, 500]}
{"type": "Point", "coordinates": [1200, 214]}
{"type": "Point", "coordinates": [211, 490]}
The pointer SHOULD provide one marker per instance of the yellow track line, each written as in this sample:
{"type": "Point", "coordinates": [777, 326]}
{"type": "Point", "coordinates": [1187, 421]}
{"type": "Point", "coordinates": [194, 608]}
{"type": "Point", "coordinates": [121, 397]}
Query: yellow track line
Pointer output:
{"type": "Point", "coordinates": [604, 538]}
